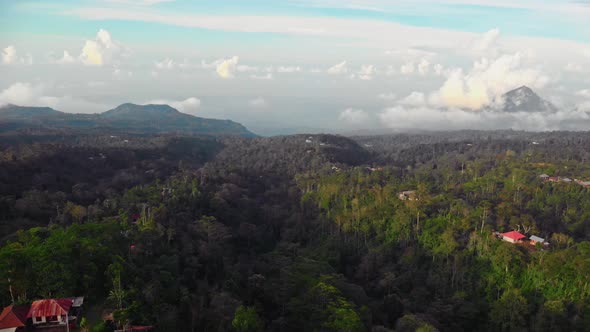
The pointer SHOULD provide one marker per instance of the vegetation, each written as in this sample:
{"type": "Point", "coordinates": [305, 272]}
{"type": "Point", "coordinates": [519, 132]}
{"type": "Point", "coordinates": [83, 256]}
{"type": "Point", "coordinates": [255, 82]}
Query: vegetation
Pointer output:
{"type": "Point", "coordinates": [302, 233]}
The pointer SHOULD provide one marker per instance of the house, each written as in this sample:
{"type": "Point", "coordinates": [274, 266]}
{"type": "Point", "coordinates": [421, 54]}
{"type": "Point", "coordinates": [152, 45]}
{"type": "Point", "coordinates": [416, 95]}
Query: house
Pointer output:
{"type": "Point", "coordinates": [55, 312]}
{"type": "Point", "coordinates": [512, 237]}
{"type": "Point", "coordinates": [14, 318]}
{"type": "Point", "coordinates": [566, 180]}
{"type": "Point", "coordinates": [409, 195]}
{"type": "Point", "coordinates": [544, 177]}
{"type": "Point", "coordinates": [553, 179]}
{"type": "Point", "coordinates": [535, 239]}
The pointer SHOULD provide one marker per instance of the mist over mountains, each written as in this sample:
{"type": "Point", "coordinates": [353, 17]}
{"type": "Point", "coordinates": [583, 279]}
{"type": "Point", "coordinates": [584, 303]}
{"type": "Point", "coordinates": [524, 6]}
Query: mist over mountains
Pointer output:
{"type": "Point", "coordinates": [519, 109]}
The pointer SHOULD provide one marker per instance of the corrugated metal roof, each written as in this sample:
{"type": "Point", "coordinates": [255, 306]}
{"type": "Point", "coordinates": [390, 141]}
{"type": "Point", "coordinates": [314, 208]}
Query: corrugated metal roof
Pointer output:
{"type": "Point", "coordinates": [50, 307]}
{"type": "Point", "coordinates": [536, 238]}
{"type": "Point", "coordinates": [514, 235]}
{"type": "Point", "coordinates": [13, 316]}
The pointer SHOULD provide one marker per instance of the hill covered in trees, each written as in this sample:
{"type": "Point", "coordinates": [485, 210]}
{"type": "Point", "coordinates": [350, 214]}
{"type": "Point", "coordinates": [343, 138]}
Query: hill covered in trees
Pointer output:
{"type": "Point", "coordinates": [126, 118]}
{"type": "Point", "coordinates": [301, 233]}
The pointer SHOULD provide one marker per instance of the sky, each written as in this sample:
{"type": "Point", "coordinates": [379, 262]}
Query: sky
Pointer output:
{"type": "Point", "coordinates": [303, 65]}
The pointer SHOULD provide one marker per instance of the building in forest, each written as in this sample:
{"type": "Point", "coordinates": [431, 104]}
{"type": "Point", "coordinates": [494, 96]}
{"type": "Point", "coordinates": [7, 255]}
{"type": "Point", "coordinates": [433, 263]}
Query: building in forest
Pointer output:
{"type": "Point", "coordinates": [14, 318]}
{"type": "Point", "coordinates": [55, 312]}
{"type": "Point", "coordinates": [512, 237]}
{"type": "Point", "coordinates": [535, 239]}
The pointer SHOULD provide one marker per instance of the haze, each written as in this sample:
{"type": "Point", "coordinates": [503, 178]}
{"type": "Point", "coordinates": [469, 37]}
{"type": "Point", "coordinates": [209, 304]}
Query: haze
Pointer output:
{"type": "Point", "coordinates": [304, 66]}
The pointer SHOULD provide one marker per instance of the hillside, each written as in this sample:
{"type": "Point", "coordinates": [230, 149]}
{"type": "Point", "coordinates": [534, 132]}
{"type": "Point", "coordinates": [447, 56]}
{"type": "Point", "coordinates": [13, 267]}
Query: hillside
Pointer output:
{"type": "Point", "coordinates": [130, 118]}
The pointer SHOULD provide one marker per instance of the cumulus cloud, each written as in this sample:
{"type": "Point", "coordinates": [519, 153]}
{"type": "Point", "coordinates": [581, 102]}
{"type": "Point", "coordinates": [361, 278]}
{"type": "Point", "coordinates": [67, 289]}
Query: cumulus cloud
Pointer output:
{"type": "Point", "coordinates": [414, 99]}
{"type": "Point", "coordinates": [367, 72]}
{"type": "Point", "coordinates": [407, 68]}
{"type": "Point", "coordinates": [9, 56]}
{"type": "Point", "coordinates": [584, 93]}
{"type": "Point", "coordinates": [438, 69]}
{"type": "Point", "coordinates": [288, 69]}
{"type": "Point", "coordinates": [166, 63]}
{"type": "Point", "coordinates": [226, 68]}
{"type": "Point", "coordinates": [354, 116]}
{"type": "Point", "coordinates": [339, 68]}
{"type": "Point", "coordinates": [487, 80]}
{"type": "Point", "coordinates": [28, 94]}
{"type": "Point", "coordinates": [66, 59]}
{"type": "Point", "coordinates": [487, 41]}
{"type": "Point", "coordinates": [402, 117]}
{"type": "Point", "coordinates": [258, 103]}
{"type": "Point", "coordinates": [189, 106]}
{"type": "Point", "coordinates": [101, 50]}
{"type": "Point", "coordinates": [424, 67]}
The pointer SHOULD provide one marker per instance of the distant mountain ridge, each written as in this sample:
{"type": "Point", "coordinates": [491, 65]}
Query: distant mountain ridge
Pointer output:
{"type": "Point", "coordinates": [522, 99]}
{"type": "Point", "coordinates": [126, 117]}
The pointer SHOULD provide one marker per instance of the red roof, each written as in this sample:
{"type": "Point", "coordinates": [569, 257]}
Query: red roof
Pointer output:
{"type": "Point", "coordinates": [50, 307]}
{"type": "Point", "coordinates": [13, 316]}
{"type": "Point", "coordinates": [514, 235]}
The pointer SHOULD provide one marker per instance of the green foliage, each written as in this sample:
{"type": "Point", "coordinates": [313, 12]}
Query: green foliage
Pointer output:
{"type": "Point", "coordinates": [246, 320]}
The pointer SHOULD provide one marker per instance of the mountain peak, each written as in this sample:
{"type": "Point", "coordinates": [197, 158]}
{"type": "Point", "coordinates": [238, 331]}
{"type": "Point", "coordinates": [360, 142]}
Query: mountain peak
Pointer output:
{"type": "Point", "coordinates": [129, 109]}
{"type": "Point", "coordinates": [524, 99]}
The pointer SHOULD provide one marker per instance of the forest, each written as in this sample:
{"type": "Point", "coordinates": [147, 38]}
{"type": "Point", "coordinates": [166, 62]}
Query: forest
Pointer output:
{"type": "Point", "coordinates": [300, 233]}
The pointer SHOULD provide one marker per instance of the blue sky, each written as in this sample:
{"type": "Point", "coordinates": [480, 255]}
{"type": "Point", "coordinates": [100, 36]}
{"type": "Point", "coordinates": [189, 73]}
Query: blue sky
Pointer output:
{"type": "Point", "coordinates": [353, 64]}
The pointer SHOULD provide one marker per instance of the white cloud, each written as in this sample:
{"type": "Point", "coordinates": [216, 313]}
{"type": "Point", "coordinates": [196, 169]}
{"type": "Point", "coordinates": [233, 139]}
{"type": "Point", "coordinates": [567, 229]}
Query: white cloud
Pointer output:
{"type": "Point", "coordinates": [101, 50]}
{"type": "Point", "coordinates": [21, 93]}
{"type": "Point", "coordinates": [9, 56]}
{"type": "Point", "coordinates": [424, 67]}
{"type": "Point", "coordinates": [414, 99]}
{"type": "Point", "coordinates": [407, 68]}
{"type": "Point", "coordinates": [401, 117]}
{"type": "Point", "coordinates": [584, 93]}
{"type": "Point", "coordinates": [288, 69]}
{"type": "Point", "coordinates": [487, 42]}
{"type": "Point", "coordinates": [354, 116]}
{"type": "Point", "coordinates": [27, 94]}
{"type": "Point", "coordinates": [166, 63]}
{"type": "Point", "coordinates": [439, 69]}
{"type": "Point", "coordinates": [190, 105]}
{"type": "Point", "coordinates": [66, 59]}
{"type": "Point", "coordinates": [339, 68]}
{"type": "Point", "coordinates": [226, 68]}
{"type": "Point", "coordinates": [367, 72]}
{"type": "Point", "coordinates": [267, 76]}
{"type": "Point", "coordinates": [487, 80]}
{"type": "Point", "coordinates": [258, 103]}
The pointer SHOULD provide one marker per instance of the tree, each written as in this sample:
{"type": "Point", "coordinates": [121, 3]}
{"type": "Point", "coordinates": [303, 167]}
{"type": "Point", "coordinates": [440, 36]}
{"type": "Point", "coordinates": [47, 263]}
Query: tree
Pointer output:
{"type": "Point", "coordinates": [510, 312]}
{"type": "Point", "coordinates": [246, 320]}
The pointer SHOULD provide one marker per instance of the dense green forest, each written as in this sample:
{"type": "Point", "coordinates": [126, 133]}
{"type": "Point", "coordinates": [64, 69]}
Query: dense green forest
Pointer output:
{"type": "Point", "coordinates": [301, 233]}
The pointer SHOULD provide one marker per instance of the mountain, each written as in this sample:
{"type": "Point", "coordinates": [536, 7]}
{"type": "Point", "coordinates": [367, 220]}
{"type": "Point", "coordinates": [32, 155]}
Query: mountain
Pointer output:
{"type": "Point", "coordinates": [523, 99]}
{"type": "Point", "coordinates": [14, 112]}
{"type": "Point", "coordinates": [126, 117]}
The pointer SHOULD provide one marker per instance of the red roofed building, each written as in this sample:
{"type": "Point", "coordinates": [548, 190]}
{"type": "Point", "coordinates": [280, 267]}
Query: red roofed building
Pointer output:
{"type": "Point", "coordinates": [50, 311]}
{"type": "Point", "coordinates": [512, 237]}
{"type": "Point", "coordinates": [14, 318]}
